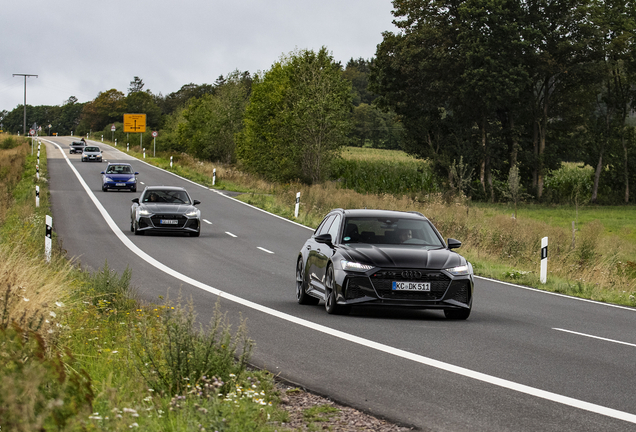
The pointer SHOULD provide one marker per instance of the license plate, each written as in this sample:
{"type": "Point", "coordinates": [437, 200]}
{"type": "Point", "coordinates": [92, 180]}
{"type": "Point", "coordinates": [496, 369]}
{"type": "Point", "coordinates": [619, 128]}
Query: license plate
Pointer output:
{"type": "Point", "coordinates": [168, 222]}
{"type": "Point", "coordinates": [120, 184]}
{"type": "Point", "coordinates": [411, 286]}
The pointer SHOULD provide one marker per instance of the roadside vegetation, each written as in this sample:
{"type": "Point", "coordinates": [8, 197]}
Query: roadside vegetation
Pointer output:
{"type": "Point", "coordinates": [78, 352]}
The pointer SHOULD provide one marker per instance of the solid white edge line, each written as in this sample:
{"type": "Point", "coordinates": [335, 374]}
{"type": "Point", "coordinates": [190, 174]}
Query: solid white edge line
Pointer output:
{"type": "Point", "coordinates": [537, 290]}
{"type": "Point", "coordinates": [264, 250]}
{"type": "Point", "coordinates": [521, 388]}
{"type": "Point", "coordinates": [594, 337]}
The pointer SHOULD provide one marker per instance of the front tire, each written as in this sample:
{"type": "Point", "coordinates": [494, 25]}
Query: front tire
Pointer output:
{"type": "Point", "coordinates": [137, 232]}
{"type": "Point", "coordinates": [301, 295]}
{"type": "Point", "coordinates": [331, 306]}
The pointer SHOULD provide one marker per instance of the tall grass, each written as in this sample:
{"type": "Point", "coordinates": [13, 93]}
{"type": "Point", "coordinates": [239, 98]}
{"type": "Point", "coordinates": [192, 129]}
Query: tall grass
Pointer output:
{"type": "Point", "coordinates": [80, 353]}
{"type": "Point", "coordinates": [383, 172]}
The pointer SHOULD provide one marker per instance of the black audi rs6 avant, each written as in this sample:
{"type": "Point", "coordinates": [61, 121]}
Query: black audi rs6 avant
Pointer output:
{"type": "Point", "coordinates": [382, 257]}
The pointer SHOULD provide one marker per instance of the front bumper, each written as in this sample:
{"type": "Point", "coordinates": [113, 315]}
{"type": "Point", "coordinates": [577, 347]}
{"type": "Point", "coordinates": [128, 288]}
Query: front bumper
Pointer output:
{"type": "Point", "coordinates": [120, 185]}
{"type": "Point", "coordinates": [375, 288]}
{"type": "Point", "coordinates": [91, 158]}
{"type": "Point", "coordinates": [158, 223]}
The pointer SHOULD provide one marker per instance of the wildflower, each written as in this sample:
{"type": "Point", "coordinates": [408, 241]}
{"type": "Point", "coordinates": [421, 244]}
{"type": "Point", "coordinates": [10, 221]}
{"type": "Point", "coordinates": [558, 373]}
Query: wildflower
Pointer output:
{"type": "Point", "coordinates": [25, 299]}
{"type": "Point", "coordinates": [52, 314]}
{"type": "Point", "coordinates": [114, 352]}
{"type": "Point", "coordinates": [59, 304]}
{"type": "Point", "coordinates": [133, 425]}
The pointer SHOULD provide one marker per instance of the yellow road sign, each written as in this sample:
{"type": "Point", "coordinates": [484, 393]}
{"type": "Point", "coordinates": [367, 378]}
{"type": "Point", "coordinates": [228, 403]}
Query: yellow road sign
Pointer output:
{"type": "Point", "coordinates": [134, 122]}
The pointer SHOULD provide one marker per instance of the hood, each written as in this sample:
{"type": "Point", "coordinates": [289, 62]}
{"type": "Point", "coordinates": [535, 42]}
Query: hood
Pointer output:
{"type": "Point", "coordinates": [161, 208]}
{"type": "Point", "coordinates": [120, 177]}
{"type": "Point", "coordinates": [397, 256]}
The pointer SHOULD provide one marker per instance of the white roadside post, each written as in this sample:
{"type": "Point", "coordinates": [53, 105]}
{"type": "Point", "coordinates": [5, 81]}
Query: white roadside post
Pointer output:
{"type": "Point", "coordinates": [297, 205]}
{"type": "Point", "coordinates": [127, 146]}
{"type": "Point", "coordinates": [544, 260]}
{"type": "Point", "coordinates": [144, 153]}
{"type": "Point", "coordinates": [37, 172]}
{"type": "Point", "coordinates": [170, 161]}
{"type": "Point", "coordinates": [154, 143]}
{"type": "Point", "coordinates": [115, 142]}
{"type": "Point", "coordinates": [213, 176]}
{"type": "Point", "coordinates": [102, 138]}
{"type": "Point", "coordinates": [47, 239]}
{"type": "Point", "coordinates": [37, 196]}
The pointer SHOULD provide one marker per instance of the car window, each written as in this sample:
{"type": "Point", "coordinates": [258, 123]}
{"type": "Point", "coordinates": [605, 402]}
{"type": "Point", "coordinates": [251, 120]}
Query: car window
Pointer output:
{"type": "Point", "coordinates": [91, 149]}
{"type": "Point", "coordinates": [325, 225]}
{"type": "Point", "coordinates": [391, 231]}
{"type": "Point", "coordinates": [126, 170]}
{"type": "Point", "coordinates": [166, 196]}
{"type": "Point", "coordinates": [335, 227]}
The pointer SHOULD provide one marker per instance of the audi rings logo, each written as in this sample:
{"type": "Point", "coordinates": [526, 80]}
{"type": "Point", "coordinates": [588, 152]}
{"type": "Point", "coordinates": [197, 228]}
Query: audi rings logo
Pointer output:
{"type": "Point", "coordinates": [408, 274]}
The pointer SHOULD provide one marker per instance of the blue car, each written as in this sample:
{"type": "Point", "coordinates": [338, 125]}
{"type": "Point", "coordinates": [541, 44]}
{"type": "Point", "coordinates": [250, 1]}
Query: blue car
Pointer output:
{"type": "Point", "coordinates": [119, 176]}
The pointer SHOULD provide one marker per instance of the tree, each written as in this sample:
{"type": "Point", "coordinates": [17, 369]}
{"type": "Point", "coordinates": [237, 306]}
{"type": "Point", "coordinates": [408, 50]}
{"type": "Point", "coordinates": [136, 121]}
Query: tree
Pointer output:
{"type": "Point", "coordinates": [297, 118]}
{"type": "Point", "coordinates": [210, 123]}
{"type": "Point", "coordinates": [106, 108]}
{"type": "Point", "coordinates": [136, 85]}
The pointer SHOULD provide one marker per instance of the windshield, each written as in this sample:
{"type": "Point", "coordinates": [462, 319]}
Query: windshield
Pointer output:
{"type": "Point", "coordinates": [166, 196]}
{"type": "Point", "coordinates": [119, 169]}
{"type": "Point", "coordinates": [383, 231]}
{"type": "Point", "coordinates": [91, 149]}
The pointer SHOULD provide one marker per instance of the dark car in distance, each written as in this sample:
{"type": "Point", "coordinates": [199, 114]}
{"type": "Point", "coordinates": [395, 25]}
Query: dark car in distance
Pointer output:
{"type": "Point", "coordinates": [167, 209]}
{"type": "Point", "coordinates": [383, 258]}
{"type": "Point", "coordinates": [119, 176]}
{"type": "Point", "coordinates": [77, 147]}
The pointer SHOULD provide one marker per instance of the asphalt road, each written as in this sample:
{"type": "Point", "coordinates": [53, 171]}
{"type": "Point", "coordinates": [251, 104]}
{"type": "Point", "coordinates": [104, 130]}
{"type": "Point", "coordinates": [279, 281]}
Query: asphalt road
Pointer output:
{"type": "Point", "coordinates": [525, 360]}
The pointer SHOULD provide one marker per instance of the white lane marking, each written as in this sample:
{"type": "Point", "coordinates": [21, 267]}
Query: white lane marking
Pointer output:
{"type": "Point", "coordinates": [595, 337]}
{"type": "Point", "coordinates": [558, 294]}
{"type": "Point", "coordinates": [230, 234]}
{"type": "Point", "coordinates": [264, 250]}
{"type": "Point", "coordinates": [500, 382]}
{"type": "Point", "coordinates": [207, 221]}
{"type": "Point", "coordinates": [142, 183]}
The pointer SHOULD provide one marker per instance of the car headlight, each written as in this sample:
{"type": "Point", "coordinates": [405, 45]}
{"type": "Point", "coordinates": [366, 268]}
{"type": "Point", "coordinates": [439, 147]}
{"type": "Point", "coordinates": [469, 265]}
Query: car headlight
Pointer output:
{"type": "Point", "coordinates": [459, 270]}
{"type": "Point", "coordinates": [355, 266]}
{"type": "Point", "coordinates": [131, 179]}
{"type": "Point", "coordinates": [192, 213]}
{"type": "Point", "coordinates": [144, 212]}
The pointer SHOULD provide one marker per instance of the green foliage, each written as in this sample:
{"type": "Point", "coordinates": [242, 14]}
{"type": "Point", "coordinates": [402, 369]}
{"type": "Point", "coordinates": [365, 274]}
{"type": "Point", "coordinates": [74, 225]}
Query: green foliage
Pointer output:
{"type": "Point", "coordinates": [106, 108]}
{"type": "Point", "coordinates": [572, 183]}
{"type": "Point", "coordinates": [180, 357]}
{"type": "Point", "coordinates": [297, 118]}
{"type": "Point", "coordinates": [9, 142]}
{"type": "Point", "coordinates": [209, 124]}
{"type": "Point", "coordinates": [379, 177]}
{"type": "Point", "coordinates": [39, 389]}
{"type": "Point", "coordinates": [374, 128]}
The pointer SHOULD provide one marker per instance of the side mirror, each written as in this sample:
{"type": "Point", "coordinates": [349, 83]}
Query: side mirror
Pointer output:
{"type": "Point", "coordinates": [136, 173]}
{"type": "Point", "coordinates": [102, 172]}
{"type": "Point", "coordinates": [453, 244]}
{"type": "Point", "coordinates": [195, 202]}
{"type": "Point", "coordinates": [324, 238]}
{"type": "Point", "coordinates": [135, 200]}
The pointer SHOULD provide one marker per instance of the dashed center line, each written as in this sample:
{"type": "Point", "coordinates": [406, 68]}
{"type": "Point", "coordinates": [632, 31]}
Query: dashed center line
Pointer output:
{"type": "Point", "coordinates": [230, 234]}
{"type": "Point", "coordinates": [207, 221]}
{"type": "Point", "coordinates": [265, 250]}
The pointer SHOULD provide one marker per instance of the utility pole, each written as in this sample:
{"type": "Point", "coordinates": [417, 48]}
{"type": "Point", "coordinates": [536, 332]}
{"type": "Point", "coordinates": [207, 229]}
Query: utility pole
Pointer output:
{"type": "Point", "coordinates": [24, 121]}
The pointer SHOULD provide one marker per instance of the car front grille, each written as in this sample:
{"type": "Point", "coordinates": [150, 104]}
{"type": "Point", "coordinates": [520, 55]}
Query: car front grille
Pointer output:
{"type": "Point", "coordinates": [156, 221]}
{"type": "Point", "coordinates": [460, 291]}
{"type": "Point", "coordinates": [382, 282]}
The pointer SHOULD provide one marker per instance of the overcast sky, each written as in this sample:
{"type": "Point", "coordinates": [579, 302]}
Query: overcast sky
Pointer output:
{"type": "Point", "coordinates": [81, 47]}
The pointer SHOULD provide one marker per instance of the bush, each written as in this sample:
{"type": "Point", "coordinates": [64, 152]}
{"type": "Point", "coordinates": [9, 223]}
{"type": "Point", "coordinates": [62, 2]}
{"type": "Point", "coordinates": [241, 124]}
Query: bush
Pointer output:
{"type": "Point", "coordinates": [572, 183]}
